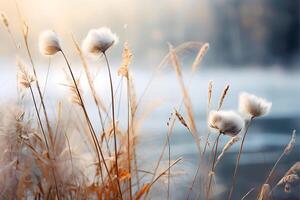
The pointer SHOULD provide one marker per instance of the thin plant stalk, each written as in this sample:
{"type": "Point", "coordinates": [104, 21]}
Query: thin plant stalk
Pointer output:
{"type": "Point", "coordinates": [7, 26]}
{"type": "Point", "coordinates": [212, 167]}
{"type": "Point", "coordinates": [181, 104]}
{"type": "Point", "coordinates": [47, 76]}
{"type": "Point", "coordinates": [248, 193]}
{"type": "Point", "coordinates": [113, 121]}
{"type": "Point", "coordinates": [286, 151]}
{"type": "Point", "coordinates": [120, 99]}
{"type": "Point", "coordinates": [274, 167]}
{"type": "Point", "coordinates": [70, 152]}
{"type": "Point", "coordinates": [12, 39]}
{"type": "Point", "coordinates": [128, 137]}
{"type": "Point", "coordinates": [67, 139]}
{"type": "Point", "coordinates": [134, 154]}
{"type": "Point", "coordinates": [206, 142]}
{"type": "Point", "coordinates": [107, 117]}
{"type": "Point", "coordinates": [25, 37]}
{"type": "Point", "coordinates": [158, 177]}
{"type": "Point", "coordinates": [169, 164]}
{"type": "Point", "coordinates": [133, 110]}
{"type": "Point", "coordinates": [39, 118]}
{"type": "Point", "coordinates": [172, 123]}
{"type": "Point", "coordinates": [238, 161]}
{"type": "Point", "coordinates": [94, 136]}
{"type": "Point", "coordinates": [93, 133]}
{"type": "Point", "coordinates": [46, 81]}
{"type": "Point", "coordinates": [193, 183]}
{"type": "Point", "coordinates": [161, 174]}
{"type": "Point", "coordinates": [96, 98]}
{"type": "Point", "coordinates": [186, 98]}
{"type": "Point", "coordinates": [45, 138]}
{"type": "Point", "coordinates": [169, 132]}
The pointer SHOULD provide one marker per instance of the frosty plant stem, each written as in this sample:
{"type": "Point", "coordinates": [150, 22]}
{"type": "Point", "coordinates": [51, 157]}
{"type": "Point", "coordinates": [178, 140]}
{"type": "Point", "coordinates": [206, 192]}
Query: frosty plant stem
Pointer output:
{"type": "Point", "coordinates": [25, 37]}
{"type": "Point", "coordinates": [113, 121]}
{"type": "Point", "coordinates": [238, 160]}
{"type": "Point", "coordinates": [128, 137]}
{"type": "Point", "coordinates": [286, 151]}
{"type": "Point", "coordinates": [45, 138]}
{"type": "Point", "coordinates": [211, 173]}
{"type": "Point", "coordinates": [96, 98]}
{"type": "Point", "coordinates": [94, 136]}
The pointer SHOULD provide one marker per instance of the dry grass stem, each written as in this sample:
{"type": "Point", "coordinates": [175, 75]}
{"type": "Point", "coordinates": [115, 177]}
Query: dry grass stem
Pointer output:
{"type": "Point", "coordinates": [227, 146]}
{"type": "Point", "coordinates": [186, 98]}
{"type": "Point", "coordinates": [286, 151]}
{"type": "Point", "coordinates": [71, 154]}
{"type": "Point", "coordinates": [127, 57]}
{"type": "Point", "coordinates": [5, 22]}
{"type": "Point", "coordinates": [265, 192]}
{"type": "Point", "coordinates": [200, 55]}
{"type": "Point", "coordinates": [291, 144]}
{"type": "Point", "coordinates": [181, 119]}
{"type": "Point", "coordinates": [238, 161]}
{"type": "Point", "coordinates": [222, 97]}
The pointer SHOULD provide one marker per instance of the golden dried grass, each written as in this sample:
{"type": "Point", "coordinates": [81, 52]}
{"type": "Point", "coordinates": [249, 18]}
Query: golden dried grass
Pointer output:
{"type": "Point", "coordinates": [70, 163]}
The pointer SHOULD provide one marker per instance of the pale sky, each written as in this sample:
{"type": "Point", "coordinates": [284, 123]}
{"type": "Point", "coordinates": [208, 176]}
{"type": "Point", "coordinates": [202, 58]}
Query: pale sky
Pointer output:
{"type": "Point", "coordinates": [150, 24]}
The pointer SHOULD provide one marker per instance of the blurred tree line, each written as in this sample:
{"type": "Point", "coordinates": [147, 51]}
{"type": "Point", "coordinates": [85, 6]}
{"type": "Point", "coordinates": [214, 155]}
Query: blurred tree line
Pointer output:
{"type": "Point", "coordinates": [258, 31]}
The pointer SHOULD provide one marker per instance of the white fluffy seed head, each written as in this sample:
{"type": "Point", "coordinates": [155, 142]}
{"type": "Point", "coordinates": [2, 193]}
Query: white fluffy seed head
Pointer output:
{"type": "Point", "coordinates": [226, 122]}
{"type": "Point", "coordinates": [49, 43]}
{"type": "Point", "coordinates": [99, 40]}
{"type": "Point", "coordinates": [253, 106]}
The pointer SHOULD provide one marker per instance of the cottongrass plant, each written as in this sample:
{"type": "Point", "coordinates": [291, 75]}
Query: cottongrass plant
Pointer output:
{"type": "Point", "coordinates": [50, 45]}
{"type": "Point", "coordinates": [97, 42]}
{"type": "Point", "coordinates": [251, 107]}
{"type": "Point", "coordinates": [227, 123]}
{"type": "Point", "coordinates": [67, 159]}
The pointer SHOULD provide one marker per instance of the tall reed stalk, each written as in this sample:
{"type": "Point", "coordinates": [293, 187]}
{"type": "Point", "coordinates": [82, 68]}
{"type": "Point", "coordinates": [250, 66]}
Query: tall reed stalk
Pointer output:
{"type": "Point", "coordinates": [128, 136]}
{"type": "Point", "coordinates": [211, 173]}
{"type": "Point", "coordinates": [286, 151]}
{"type": "Point", "coordinates": [45, 138]}
{"type": "Point", "coordinates": [96, 98]}
{"type": "Point", "coordinates": [93, 133]}
{"type": "Point", "coordinates": [238, 161]}
{"type": "Point", "coordinates": [25, 30]}
{"type": "Point", "coordinates": [209, 92]}
{"type": "Point", "coordinates": [113, 122]}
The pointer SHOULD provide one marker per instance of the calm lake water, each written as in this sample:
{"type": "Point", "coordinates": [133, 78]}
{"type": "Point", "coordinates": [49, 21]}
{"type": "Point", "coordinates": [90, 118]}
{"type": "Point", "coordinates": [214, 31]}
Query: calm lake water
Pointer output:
{"type": "Point", "coordinates": [265, 141]}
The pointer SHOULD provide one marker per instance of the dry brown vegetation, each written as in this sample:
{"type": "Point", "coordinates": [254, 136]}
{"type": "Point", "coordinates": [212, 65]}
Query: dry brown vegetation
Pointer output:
{"type": "Point", "coordinates": [67, 158]}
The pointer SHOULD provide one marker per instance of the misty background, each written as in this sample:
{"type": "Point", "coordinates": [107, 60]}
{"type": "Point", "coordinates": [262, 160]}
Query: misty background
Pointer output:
{"type": "Point", "coordinates": [263, 33]}
{"type": "Point", "coordinates": [254, 47]}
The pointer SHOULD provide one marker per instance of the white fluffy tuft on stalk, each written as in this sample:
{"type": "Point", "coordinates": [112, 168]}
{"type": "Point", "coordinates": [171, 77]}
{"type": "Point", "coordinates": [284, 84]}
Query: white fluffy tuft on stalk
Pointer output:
{"type": "Point", "coordinates": [226, 122]}
{"type": "Point", "coordinates": [99, 41]}
{"type": "Point", "coordinates": [253, 106]}
{"type": "Point", "coordinates": [49, 43]}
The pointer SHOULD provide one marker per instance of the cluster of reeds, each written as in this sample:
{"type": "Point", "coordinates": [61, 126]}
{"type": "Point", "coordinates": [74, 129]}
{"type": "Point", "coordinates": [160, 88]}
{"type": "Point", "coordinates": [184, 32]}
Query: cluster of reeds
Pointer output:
{"type": "Point", "coordinates": [66, 157]}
